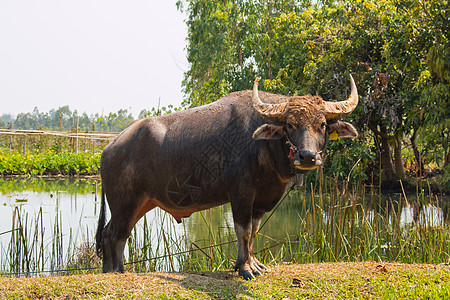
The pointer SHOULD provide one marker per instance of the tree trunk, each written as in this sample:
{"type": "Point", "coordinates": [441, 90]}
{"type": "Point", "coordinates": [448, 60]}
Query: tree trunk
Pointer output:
{"type": "Point", "coordinates": [238, 44]}
{"type": "Point", "coordinates": [417, 155]}
{"type": "Point", "coordinates": [382, 142]}
{"type": "Point", "coordinates": [386, 156]}
{"type": "Point", "coordinates": [447, 158]}
{"type": "Point", "coordinates": [399, 167]}
{"type": "Point", "coordinates": [447, 153]}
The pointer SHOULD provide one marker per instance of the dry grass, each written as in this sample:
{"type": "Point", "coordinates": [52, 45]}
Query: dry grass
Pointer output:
{"type": "Point", "coordinates": [119, 286]}
{"type": "Point", "coordinates": [368, 280]}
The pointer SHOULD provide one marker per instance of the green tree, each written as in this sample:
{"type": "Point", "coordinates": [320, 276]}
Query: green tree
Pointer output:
{"type": "Point", "coordinates": [397, 50]}
{"type": "Point", "coordinates": [118, 121]}
{"type": "Point", "coordinates": [5, 119]}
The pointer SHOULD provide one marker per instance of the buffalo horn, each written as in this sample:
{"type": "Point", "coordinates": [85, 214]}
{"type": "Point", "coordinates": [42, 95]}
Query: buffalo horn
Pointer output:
{"type": "Point", "coordinates": [274, 112]}
{"type": "Point", "coordinates": [337, 110]}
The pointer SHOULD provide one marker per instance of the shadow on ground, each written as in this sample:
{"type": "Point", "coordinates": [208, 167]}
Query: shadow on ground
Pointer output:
{"type": "Point", "coordinates": [215, 284]}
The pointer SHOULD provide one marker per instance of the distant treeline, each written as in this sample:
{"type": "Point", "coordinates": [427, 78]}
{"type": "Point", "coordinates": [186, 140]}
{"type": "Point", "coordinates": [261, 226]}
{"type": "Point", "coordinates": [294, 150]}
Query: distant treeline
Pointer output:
{"type": "Point", "coordinates": [63, 118]}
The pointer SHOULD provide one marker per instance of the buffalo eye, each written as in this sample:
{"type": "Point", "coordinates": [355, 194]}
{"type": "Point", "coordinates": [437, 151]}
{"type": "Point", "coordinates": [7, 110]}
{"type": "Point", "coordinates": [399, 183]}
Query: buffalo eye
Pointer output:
{"type": "Point", "coordinates": [289, 126]}
{"type": "Point", "coordinates": [323, 125]}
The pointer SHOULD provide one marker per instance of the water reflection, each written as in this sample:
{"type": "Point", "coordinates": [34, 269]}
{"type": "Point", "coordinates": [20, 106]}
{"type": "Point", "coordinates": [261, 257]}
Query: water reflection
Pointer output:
{"type": "Point", "coordinates": [49, 217]}
{"type": "Point", "coordinates": [75, 199]}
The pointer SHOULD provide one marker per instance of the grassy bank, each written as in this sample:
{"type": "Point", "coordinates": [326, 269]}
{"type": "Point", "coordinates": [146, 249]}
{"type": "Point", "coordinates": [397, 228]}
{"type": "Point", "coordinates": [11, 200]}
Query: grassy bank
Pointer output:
{"type": "Point", "coordinates": [367, 280]}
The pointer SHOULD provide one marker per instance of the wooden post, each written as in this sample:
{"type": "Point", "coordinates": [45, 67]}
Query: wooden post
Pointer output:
{"type": "Point", "coordinates": [92, 141]}
{"type": "Point", "coordinates": [76, 147]}
{"type": "Point", "coordinates": [24, 143]}
{"type": "Point", "coordinates": [85, 142]}
{"type": "Point", "coordinates": [72, 146]}
{"type": "Point", "coordinates": [10, 137]}
{"type": "Point", "coordinates": [60, 129]}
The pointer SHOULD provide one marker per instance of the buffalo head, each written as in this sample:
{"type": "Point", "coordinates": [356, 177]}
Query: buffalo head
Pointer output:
{"type": "Point", "coordinates": [305, 122]}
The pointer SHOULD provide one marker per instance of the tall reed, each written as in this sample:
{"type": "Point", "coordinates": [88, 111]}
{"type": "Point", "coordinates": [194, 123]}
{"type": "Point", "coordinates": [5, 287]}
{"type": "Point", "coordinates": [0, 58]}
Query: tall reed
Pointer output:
{"type": "Point", "coordinates": [342, 227]}
{"type": "Point", "coordinates": [332, 222]}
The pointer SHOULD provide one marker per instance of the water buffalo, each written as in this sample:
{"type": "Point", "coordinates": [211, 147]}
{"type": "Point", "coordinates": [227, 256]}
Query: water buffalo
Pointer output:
{"type": "Point", "coordinates": [239, 149]}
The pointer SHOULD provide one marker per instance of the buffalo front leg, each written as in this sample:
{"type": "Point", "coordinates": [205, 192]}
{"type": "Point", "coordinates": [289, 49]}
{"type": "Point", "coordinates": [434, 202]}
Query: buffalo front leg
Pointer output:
{"type": "Point", "coordinates": [246, 263]}
{"type": "Point", "coordinates": [256, 221]}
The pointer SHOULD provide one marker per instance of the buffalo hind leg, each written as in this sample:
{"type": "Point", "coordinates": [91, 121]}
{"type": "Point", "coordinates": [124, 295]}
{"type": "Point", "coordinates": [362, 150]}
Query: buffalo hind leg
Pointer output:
{"type": "Point", "coordinates": [117, 233]}
{"type": "Point", "coordinates": [118, 246]}
{"type": "Point", "coordinates": [114, 240]}
{"type": "Point", "coordinates": [123, 234]}
{"type": "Point", "coordinates": [107, 251]}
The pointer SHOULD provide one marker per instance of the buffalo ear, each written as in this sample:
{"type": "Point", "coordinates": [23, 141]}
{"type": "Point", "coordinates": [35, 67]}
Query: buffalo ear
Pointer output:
{"type": "Point", "coordinates": [269, 132]}
{"type": "Point", "coordinates": [342, 129]}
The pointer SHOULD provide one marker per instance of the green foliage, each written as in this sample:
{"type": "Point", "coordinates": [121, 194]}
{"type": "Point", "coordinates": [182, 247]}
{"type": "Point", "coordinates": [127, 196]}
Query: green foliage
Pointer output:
{"type": "Point", "coordinates": [397, 50]}
{"type": "Point", "coordinates": [435, 129]}
{"type": "Point", "coordinates": [445, 177]}
{"type": "Point", "coordinates": [346, 158]}
{"type": "Point", "coordinates": [49, 163]}
{"type": "Point", "coordinates": [117, 121]}
{"type": "Point", "coordinates": [154, 112]}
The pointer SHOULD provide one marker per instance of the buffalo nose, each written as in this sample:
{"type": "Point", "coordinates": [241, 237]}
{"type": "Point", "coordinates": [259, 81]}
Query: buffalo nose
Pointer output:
{"type": "Point", "coordinates": [307, 157]}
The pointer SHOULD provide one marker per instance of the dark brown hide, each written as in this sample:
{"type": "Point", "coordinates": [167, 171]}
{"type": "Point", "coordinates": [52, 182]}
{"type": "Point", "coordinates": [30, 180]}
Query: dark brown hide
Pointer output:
{"type": "Point", "coordinates": [204, 157]}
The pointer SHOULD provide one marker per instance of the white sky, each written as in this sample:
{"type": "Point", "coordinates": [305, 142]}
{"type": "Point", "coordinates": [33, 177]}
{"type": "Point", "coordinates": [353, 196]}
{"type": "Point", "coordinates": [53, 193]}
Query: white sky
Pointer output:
{"type": "Point", "coordinates": [93, 55]}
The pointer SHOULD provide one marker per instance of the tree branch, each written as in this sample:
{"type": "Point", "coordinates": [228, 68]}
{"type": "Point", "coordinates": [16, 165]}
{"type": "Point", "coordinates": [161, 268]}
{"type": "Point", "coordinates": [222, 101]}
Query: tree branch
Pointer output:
{"type": "Point", "coordinates": [382, 134]}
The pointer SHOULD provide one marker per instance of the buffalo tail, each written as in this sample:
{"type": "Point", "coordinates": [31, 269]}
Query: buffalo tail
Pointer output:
{"type": "Point", "coordinates": [100, 227]}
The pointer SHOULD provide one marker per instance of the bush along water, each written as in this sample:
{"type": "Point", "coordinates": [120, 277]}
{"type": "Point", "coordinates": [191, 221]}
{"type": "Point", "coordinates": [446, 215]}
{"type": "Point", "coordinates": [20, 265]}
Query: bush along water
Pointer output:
{"type": "Point", "coordinates": [49, 163]}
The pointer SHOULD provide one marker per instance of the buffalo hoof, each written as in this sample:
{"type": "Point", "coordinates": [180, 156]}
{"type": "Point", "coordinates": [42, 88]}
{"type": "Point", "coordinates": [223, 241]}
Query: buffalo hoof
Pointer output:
{"type": "Point", "coordinates": [250, 269]}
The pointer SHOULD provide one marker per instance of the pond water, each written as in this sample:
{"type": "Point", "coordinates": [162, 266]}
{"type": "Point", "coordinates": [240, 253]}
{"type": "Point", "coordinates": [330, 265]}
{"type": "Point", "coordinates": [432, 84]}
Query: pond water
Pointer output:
{"type": "Point", "coordinates": [60, 215]}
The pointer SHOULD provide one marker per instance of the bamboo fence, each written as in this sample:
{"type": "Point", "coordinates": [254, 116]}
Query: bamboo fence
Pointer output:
{"type": "Point", "coordinates": [74, 136]}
